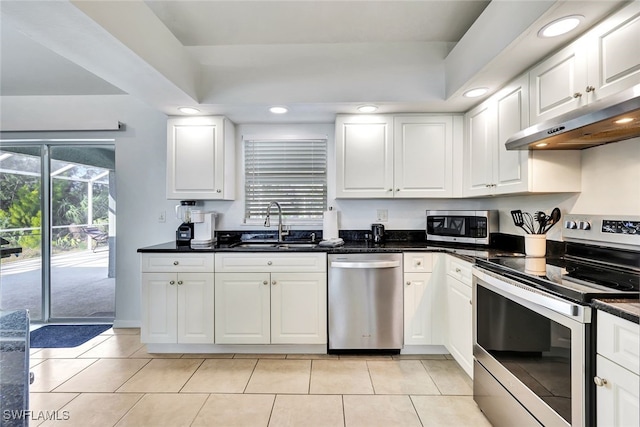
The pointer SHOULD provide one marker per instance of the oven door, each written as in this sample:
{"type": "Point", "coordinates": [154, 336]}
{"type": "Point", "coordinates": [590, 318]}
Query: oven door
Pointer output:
{"type": "Point", "coordinates": [533, 345]}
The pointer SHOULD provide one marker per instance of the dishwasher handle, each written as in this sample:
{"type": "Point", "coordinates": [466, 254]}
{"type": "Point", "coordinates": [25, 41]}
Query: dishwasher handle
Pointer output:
{"type": "Point", "coordinates": [365, 264]}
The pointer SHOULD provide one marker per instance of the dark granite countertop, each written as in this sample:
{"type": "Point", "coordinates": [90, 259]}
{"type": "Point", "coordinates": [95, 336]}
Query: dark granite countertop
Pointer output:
{"type": "Point", "coordinates": [469, 253]}
{"type": "Point", "coordinates": [628, 309]}
{"type": "Point", "coordinates": [14, 366]}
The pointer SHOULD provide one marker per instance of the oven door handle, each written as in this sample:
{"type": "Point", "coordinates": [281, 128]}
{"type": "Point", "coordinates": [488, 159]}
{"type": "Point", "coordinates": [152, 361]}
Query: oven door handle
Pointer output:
{"type": "Point", "coordinates": [531, 295]}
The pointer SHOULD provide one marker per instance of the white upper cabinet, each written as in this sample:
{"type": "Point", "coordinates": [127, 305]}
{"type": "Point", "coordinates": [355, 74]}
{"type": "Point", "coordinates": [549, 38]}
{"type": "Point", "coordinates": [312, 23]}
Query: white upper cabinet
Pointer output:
{"type": "Point", "coordinates": [558, 83]}
{"type": "Point", "coordinates": [423, 156]}
{"type": "Point", "coordinates": [200, 158]}
{"type": "Point", "coordinates": [382, 156]}
{"type": "Point", "coordinates": [490, 169]}
{"type": "Point", "coordinates": [364, 156]}
{"type": "Point", "coordinates": [614, 53]}
{"type": "Point", "coordinates": [603, 62]}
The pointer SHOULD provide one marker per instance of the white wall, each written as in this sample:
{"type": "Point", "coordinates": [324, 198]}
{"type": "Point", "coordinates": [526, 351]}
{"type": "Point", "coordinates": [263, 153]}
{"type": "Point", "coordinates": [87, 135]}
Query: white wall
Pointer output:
{"type": "Point", "coordinates": [611, 182]}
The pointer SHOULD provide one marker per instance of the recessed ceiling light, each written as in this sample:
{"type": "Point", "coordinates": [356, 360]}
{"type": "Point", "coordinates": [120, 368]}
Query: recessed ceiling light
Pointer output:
{"type": "Point", "coordinates": [560, 26]}
{"type": "Point", "coordinates": [624, 120]}
{"type": "Point", "coordinates": [474, 93]}
{"type": "Point", "coordinates": [367, 108]}
{"type": "Point", "coordinates": [188, 110]}
{"type": "Point", "coordinates": [279, 110]}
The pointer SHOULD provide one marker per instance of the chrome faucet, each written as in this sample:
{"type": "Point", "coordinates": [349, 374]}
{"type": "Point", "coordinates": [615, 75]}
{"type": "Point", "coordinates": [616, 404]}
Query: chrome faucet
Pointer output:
{"type": "Point", "coordinates": [282, 231]}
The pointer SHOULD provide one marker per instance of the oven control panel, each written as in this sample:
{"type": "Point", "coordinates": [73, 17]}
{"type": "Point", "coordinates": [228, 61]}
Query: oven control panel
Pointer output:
{"type": "Point", "coordinates": [603, 229]}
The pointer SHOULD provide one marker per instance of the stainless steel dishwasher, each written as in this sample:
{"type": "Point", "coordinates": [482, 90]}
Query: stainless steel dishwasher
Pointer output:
{"type": "Point", "coordinates": [365, 301]}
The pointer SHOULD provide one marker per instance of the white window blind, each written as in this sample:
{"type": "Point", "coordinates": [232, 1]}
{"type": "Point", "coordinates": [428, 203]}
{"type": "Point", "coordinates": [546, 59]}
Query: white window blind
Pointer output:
{"type": "Point", "coordinates": [292, 172]}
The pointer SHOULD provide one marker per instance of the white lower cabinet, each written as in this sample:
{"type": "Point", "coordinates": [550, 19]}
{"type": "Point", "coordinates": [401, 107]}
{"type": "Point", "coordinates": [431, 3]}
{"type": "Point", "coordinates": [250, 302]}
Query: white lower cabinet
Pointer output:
{"type": "Point", "coordinates": [422, 317]}
{"type": "Point", "coordinates": [273, 306]}
{"type": "Point", "coordinates": [177, 298]}
{"type": "Point", "coordinates": [177, 308]}
{"type": "Point", "coordinates": [460, 312]}
{"type": "Point", "coordinates": [617, 372]}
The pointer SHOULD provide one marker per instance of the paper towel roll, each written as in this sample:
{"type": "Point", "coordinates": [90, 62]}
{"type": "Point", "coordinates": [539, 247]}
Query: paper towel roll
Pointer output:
{"type": "Point", "coordinates": [330, 224]}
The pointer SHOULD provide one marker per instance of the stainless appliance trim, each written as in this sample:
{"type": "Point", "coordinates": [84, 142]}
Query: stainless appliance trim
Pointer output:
{"type": "Point", "coordinates": [365, 301]}
{"type": "Point", "coordinates": [366, 264]}
{"type": "Point", "coordinates": [585, 127]}
{"type": "Point", "coordinates": [521, 392]}
{"type": "Point", "coordinates": [492, 217]}
{"type": "Point", "coordinates": [532, 298]}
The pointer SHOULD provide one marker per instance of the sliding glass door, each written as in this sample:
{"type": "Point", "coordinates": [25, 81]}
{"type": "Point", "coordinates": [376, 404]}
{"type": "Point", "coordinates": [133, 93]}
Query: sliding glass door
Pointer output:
{"type": "Point", "coordinates": [65, 228]}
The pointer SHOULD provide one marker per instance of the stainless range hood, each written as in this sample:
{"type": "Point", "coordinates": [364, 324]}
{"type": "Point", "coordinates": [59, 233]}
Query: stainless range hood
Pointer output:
{"type": "Point", "coordinates": [594, 124]}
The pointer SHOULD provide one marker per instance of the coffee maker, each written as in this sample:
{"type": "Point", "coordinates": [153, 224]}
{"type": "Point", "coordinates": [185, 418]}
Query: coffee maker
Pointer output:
{"type": "Point", "coordinates": [204, 229]}
{"type": "Point", "coordinates": [377, 233]}
{"type": "Point", "coordinates": [184, 233]}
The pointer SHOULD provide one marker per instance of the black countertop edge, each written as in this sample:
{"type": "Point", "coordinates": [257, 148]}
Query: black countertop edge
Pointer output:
{"type": "Point", "coordinates": [465, 252]}
{"type": "Point", "coordinates": [628, 309]}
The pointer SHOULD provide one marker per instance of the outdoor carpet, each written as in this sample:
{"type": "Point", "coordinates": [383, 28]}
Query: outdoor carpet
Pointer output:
{"type": "Point", "coordinates": [59, 336]}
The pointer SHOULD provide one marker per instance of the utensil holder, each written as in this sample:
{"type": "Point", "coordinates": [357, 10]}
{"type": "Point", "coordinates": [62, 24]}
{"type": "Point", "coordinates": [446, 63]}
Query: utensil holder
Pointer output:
{"type": "Point", "coordinates": [535, 245]}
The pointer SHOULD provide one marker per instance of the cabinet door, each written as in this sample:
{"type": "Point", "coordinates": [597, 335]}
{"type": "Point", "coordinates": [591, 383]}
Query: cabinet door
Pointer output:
{"type": "Point", "coordinates": [195, 308]}
{"type": "Point", "coordinates": [479, 143]}
{"type": "Point", "coordinates": [159, 308]}
{"type": "Point", "coordinates": [195, 158]}
{"type": "Point", "coordinates": [614, 53]}
{"type": "Point", "coordinates": [242, 308]}
{"type": "Point", "coordinates": [510, 168]}
{"type": "Point", "coordinates": [459, 310]}
{"type": "Point", "coordinates": [364, 156]}
{"type": "Point", "coordinates": [558, 84]}
{"type": "Point", "coordinates": [617, 400]}
{"type": "Point", "coordinates": [418, 309]}
{"type": "Point", "coordinates": [423, 156]}
{"type": "Point", "coordinates": [298, 308]}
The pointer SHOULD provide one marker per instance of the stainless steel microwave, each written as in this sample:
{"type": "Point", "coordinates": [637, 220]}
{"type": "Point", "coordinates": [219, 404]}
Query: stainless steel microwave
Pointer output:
{"type": "Point", "coordinates": [474, 227]}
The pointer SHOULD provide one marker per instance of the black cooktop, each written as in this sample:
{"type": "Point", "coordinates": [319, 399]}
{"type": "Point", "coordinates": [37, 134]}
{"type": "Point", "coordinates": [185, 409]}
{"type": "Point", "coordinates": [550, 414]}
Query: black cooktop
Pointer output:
{"type": "Point", "coordinates": [578, 280]}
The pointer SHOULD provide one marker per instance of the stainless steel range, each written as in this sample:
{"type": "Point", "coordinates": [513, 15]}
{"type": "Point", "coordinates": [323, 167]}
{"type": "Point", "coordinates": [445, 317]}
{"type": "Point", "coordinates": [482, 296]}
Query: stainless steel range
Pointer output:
{"type": "Point", "coordinates": [534, 338]}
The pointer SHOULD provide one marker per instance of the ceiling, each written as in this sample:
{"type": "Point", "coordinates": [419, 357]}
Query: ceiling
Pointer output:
{"type": "Point", "coordinates": [318, 58]}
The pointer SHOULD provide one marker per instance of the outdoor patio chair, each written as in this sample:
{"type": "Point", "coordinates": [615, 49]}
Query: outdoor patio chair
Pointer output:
{"type": "Point", "coordinates": [98, 237]}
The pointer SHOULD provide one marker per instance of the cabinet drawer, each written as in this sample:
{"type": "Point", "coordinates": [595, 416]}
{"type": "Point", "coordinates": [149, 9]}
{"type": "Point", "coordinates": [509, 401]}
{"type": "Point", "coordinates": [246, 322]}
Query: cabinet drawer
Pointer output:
{"type": "Point", "coordinates": [270, 262]}
{"type": "Point", "coordinates": [418, 262]}
{"type": "Point", "coordinates": [459, 269]}
{"type": "Point", "coordinates": [618, 341]}
{"type": "Point", "coordinates": [168, 262]}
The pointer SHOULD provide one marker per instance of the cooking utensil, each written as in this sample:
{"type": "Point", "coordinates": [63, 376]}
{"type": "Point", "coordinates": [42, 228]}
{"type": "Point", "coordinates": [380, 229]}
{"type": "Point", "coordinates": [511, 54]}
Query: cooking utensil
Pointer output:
{"type": "Point", "coordinates": [528, 221]}
{"type": "Point", "coordinates": [554, 218]}
{"type": "Point", "coordinates": [518, 219]}
{"type": "Point", "coordinates": [542, 219]}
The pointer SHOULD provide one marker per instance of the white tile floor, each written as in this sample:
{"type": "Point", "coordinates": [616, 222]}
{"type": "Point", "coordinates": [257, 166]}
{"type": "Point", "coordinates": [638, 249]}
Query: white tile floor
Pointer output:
{"type": "Point", "coordinates": [112, 381]}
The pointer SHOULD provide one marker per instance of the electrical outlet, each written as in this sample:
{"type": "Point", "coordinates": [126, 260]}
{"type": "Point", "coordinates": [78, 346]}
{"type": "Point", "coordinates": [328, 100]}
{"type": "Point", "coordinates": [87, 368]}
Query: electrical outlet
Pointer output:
{"type": "Point", "coordinates": [382, 215]}
{"type": "Point", "coordinates": [162, 216]}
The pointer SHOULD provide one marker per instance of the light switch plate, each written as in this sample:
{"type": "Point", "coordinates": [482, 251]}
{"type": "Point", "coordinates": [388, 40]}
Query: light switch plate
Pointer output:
{"type": "Point", "coordinates": [162, 216]}
{"type": "Point", "coordinates": [382, 215]}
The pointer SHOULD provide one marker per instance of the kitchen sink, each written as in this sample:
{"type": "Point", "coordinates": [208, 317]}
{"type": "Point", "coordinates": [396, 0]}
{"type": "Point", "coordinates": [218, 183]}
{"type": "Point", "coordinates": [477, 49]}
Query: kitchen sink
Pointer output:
{"type": "Point", "coordinates": [277, 245]}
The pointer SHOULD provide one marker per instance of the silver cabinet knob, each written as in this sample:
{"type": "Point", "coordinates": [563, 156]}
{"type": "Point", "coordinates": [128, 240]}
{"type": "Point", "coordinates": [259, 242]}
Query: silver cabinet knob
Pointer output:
{"type": "Point", "coordinates": [590, 89]}
{"type": "Point", "coordinates": [600, 382]}
{"type": "Point", "coordinates": [173, 282]}
{"type": "Point", "coordinates": [397, 189]}
{"type": "Point", "coordinates": [391, 189]}
{"type": "Point", "coordinates": [577, 95]}
{"type": "Point", "coordinates": [458, 270]}
{"type": "Point", "coordinates": [418, 262]}
{"type": "Point", "coordinates": [218, 191]}
{"type": "Point", "coordinates": [408, 283]}
{"type": "Point", "coordinates": [180, 282]}
{"type": "Point", "coordinates": [175, 263]}
{"type": "Point", "coordinates": [32, 377]}
{"type": "Point", "coordinates": [265, 283]}
{"type": "Point", "coordinates": [273, 282]}
{"type": "Point", "coordinates": [269, 262]}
